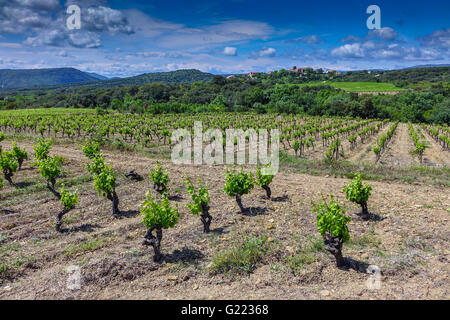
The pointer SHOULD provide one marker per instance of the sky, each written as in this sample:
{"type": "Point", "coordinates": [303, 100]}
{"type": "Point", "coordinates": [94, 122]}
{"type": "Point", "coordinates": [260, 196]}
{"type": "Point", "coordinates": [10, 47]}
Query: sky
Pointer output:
{"type": "Point", "coordinates": [126, 38]}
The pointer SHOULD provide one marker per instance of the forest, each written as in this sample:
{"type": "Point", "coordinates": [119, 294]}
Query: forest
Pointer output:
{"type": "Point", "coordinates": [424, 102]}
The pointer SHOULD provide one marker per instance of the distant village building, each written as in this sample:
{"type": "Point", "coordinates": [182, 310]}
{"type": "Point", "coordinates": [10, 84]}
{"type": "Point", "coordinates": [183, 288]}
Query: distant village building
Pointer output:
{"type": "Point", "coordinates": [333, 72]}
{"type": "Point", "coordinates": [301, 70]}
{"type": "Point", "coordinates": [253, 74]}
{"type": "Point", "coordinates": [231, 77]}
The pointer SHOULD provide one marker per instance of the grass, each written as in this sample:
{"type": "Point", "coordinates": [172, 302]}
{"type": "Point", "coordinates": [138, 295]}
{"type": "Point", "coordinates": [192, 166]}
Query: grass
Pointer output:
{"type": "Point", "coordinates": [354, 86]}
{"type": "Point", "coordinates": [242, 257]}
{"type": "Point", "coordinates": [43, 186]}
{"type": "Point", "coordinates": [306, 255]}
{"type": "Point", "coordinates": [88, 245]}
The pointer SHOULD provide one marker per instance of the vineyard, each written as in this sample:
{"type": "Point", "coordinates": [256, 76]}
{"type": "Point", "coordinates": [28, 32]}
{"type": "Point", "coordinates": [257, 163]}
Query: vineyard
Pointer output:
{"type": "Point", "coordinates": [97, 190]}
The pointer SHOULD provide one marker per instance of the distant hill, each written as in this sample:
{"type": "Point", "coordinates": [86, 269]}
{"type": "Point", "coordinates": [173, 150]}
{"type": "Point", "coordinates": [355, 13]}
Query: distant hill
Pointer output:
{"type": "Point", "coordinates": [172, 77]}
{"type": "Point", "coordinates": [414, 75]}
{"type": "Point", "coordinates": [97, 76]}
{"type": "Point", "coordinates": [10, 79]}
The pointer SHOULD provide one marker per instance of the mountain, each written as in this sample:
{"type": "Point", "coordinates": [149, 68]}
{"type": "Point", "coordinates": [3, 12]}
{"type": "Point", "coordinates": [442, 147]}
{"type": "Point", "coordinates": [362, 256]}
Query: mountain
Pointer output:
{"type": "Point", "coordinates": [10, 79]}
{"type": "Point", "coordinates": [172, 77]}
{"type": "Point", "coordinates": [429, 66]}
{"type": "Point", "coordinates": [97, 76]}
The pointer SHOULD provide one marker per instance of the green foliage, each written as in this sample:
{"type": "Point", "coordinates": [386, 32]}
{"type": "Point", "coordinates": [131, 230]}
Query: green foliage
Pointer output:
{"type": "Point", "coordinates": [356, 192]}
{"type": "Point", "coordinates": [8, 162]}
{"type": "Point", "coordinates": [199, 197]}
{"type": "Point", "coordinates": [19, 154]}
{"type": "Point", "coordinates": [91, 150]}
{"type": "Point", "coordinates": [160, 214]}
{"type": "Point", "coordinates": [104, 181]}
{"type": "Point", "coordinates": [242, 257]}
{"type": "Point", "coordinates": [97, 165]}
{"type": "Point", "coordinates": [42, 149]}
{"type": "Point", "coordinates": [50, 168]}
{"type": "Point", "coordinates": [238, 183]}
{"type": "Point", "coordinates": [261, 179]}
{"type": "Point", "coordinates": [2, 136]}
{"type": "Point", "coordinates": [331, 218]}
{"type": "Point", "coordinates": [1, 183]}
{"type": "Point", "coordinates": [68, 200]}
{"type": "Point", "coordinates": [159, 177]}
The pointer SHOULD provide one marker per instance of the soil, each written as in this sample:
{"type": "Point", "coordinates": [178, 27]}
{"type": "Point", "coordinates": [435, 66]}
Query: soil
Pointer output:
{"type": "Point", "coordinates": [407, 238]}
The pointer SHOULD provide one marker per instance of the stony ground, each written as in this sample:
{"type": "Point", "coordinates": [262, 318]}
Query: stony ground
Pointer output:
{"type": "Point", "coordinates": [407, 239]}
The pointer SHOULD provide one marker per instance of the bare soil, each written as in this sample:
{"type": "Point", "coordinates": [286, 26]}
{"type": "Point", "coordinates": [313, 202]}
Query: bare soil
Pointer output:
{"type": "Point", "coordinates": [408, 240]}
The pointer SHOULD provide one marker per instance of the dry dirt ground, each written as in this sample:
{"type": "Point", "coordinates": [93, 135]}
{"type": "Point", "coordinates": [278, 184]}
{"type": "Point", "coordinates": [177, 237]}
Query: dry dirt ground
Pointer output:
{"type": "Point", "coordinates": [407, 239]}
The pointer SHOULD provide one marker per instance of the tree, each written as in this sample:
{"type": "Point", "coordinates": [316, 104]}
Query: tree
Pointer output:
{"type": "Point", "coordinates": [238, 184]}
{"type": "Point", "coordinates": [20, 154]}
{"type": "Point", "coordinates": [69, 201]}
{"type": "Point", "coordinates": [160, 179]}
{"type": "Point", "coordinates": [8, 165]}
{"type": "Point", "coordinates": [264, 180]}
{"type": "Point", "coordinates": [359, 194]}
{"type": "Point", "coordinates": [332, 225]}
{"type": "Point", "coordinates": [200, 204]}
{"type": "Point", "coordinates": [156, 217]}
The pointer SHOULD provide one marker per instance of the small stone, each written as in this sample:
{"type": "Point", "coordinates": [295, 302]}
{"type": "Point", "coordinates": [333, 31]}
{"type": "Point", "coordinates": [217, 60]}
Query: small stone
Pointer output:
{"type": "Point", "coordinates": [270, 227]}
{"type": "Point", "coordinates": [325, 293]}
{"type": "Point", "coordinates": [195, 287]}
{"type": "Point", "coordinates": [172, 278]}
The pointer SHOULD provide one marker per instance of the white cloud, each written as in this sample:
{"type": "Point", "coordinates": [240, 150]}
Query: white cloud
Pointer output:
{"type": "Point", "coordinates": [266, 52]}
{"type": "Point", "coordinates": [225, 32]}
{"type": "Point", "coordinates": [230, 51]}
{"type": "Point", "coordinates": [386, 34]}
{"type": "Point", "coordinates": [349, 51]}
{"type": "Point", "coordinates": [439, 38]}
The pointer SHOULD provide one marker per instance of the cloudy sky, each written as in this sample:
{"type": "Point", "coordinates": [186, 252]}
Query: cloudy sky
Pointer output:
{"type": "Point", "coordinates": [125, 38]}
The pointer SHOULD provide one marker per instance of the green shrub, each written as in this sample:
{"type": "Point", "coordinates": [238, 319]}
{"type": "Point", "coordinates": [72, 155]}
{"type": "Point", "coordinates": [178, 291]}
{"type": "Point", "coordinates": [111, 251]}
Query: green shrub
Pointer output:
{"type": "Point", "coordinates": [69, 201]}
{"type": "Point", "coordinates": [91, 150]}
{"type": "Point", "coordinates": [156, 217]}
{"type": "Point", "coordinates": [160, 179]}
{"type": "Point", "coordinates": [20, 154]}
{"type": "Point", "coordinates": [332, 225]}
{"type": "Point", "coordinates": [105, 184]}
{"type": "Point", "coordinates": [200, 203]}
{"type": "Point", "coordinates": [8, 165]}
{"type": "Point", "coordinates": [50, 170]}
{"type": "Point", "coordinates": [359, 194]}
{"type": "Point", "coordinates": [264, 180]}
{"type": "Point", "coordinates": [242, 257]}
{"type": "Point", "coordinates": [42, 149]}
{"type": "Point", "coordinates": [238, 184]}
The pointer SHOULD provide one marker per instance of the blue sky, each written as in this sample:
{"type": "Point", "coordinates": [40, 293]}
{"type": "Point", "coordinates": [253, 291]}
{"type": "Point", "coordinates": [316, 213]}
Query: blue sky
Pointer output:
{"type": "Point", "coordinates": [125, 38]}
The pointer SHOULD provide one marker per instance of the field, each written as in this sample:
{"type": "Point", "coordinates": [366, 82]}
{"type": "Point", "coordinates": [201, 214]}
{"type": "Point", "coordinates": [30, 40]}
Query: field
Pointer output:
{"type": "Point", "coordinates": [355, 86]}
{"type": "Point", "coordinates": [271, 251]}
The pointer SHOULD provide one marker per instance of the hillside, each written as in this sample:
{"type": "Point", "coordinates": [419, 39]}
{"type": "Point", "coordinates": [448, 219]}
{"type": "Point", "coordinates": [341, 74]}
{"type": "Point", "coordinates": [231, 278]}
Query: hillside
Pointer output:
{"type": "Point", "coordinates": [10, 79]}
{"type": "Point", "coordinates": [172, 77]}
